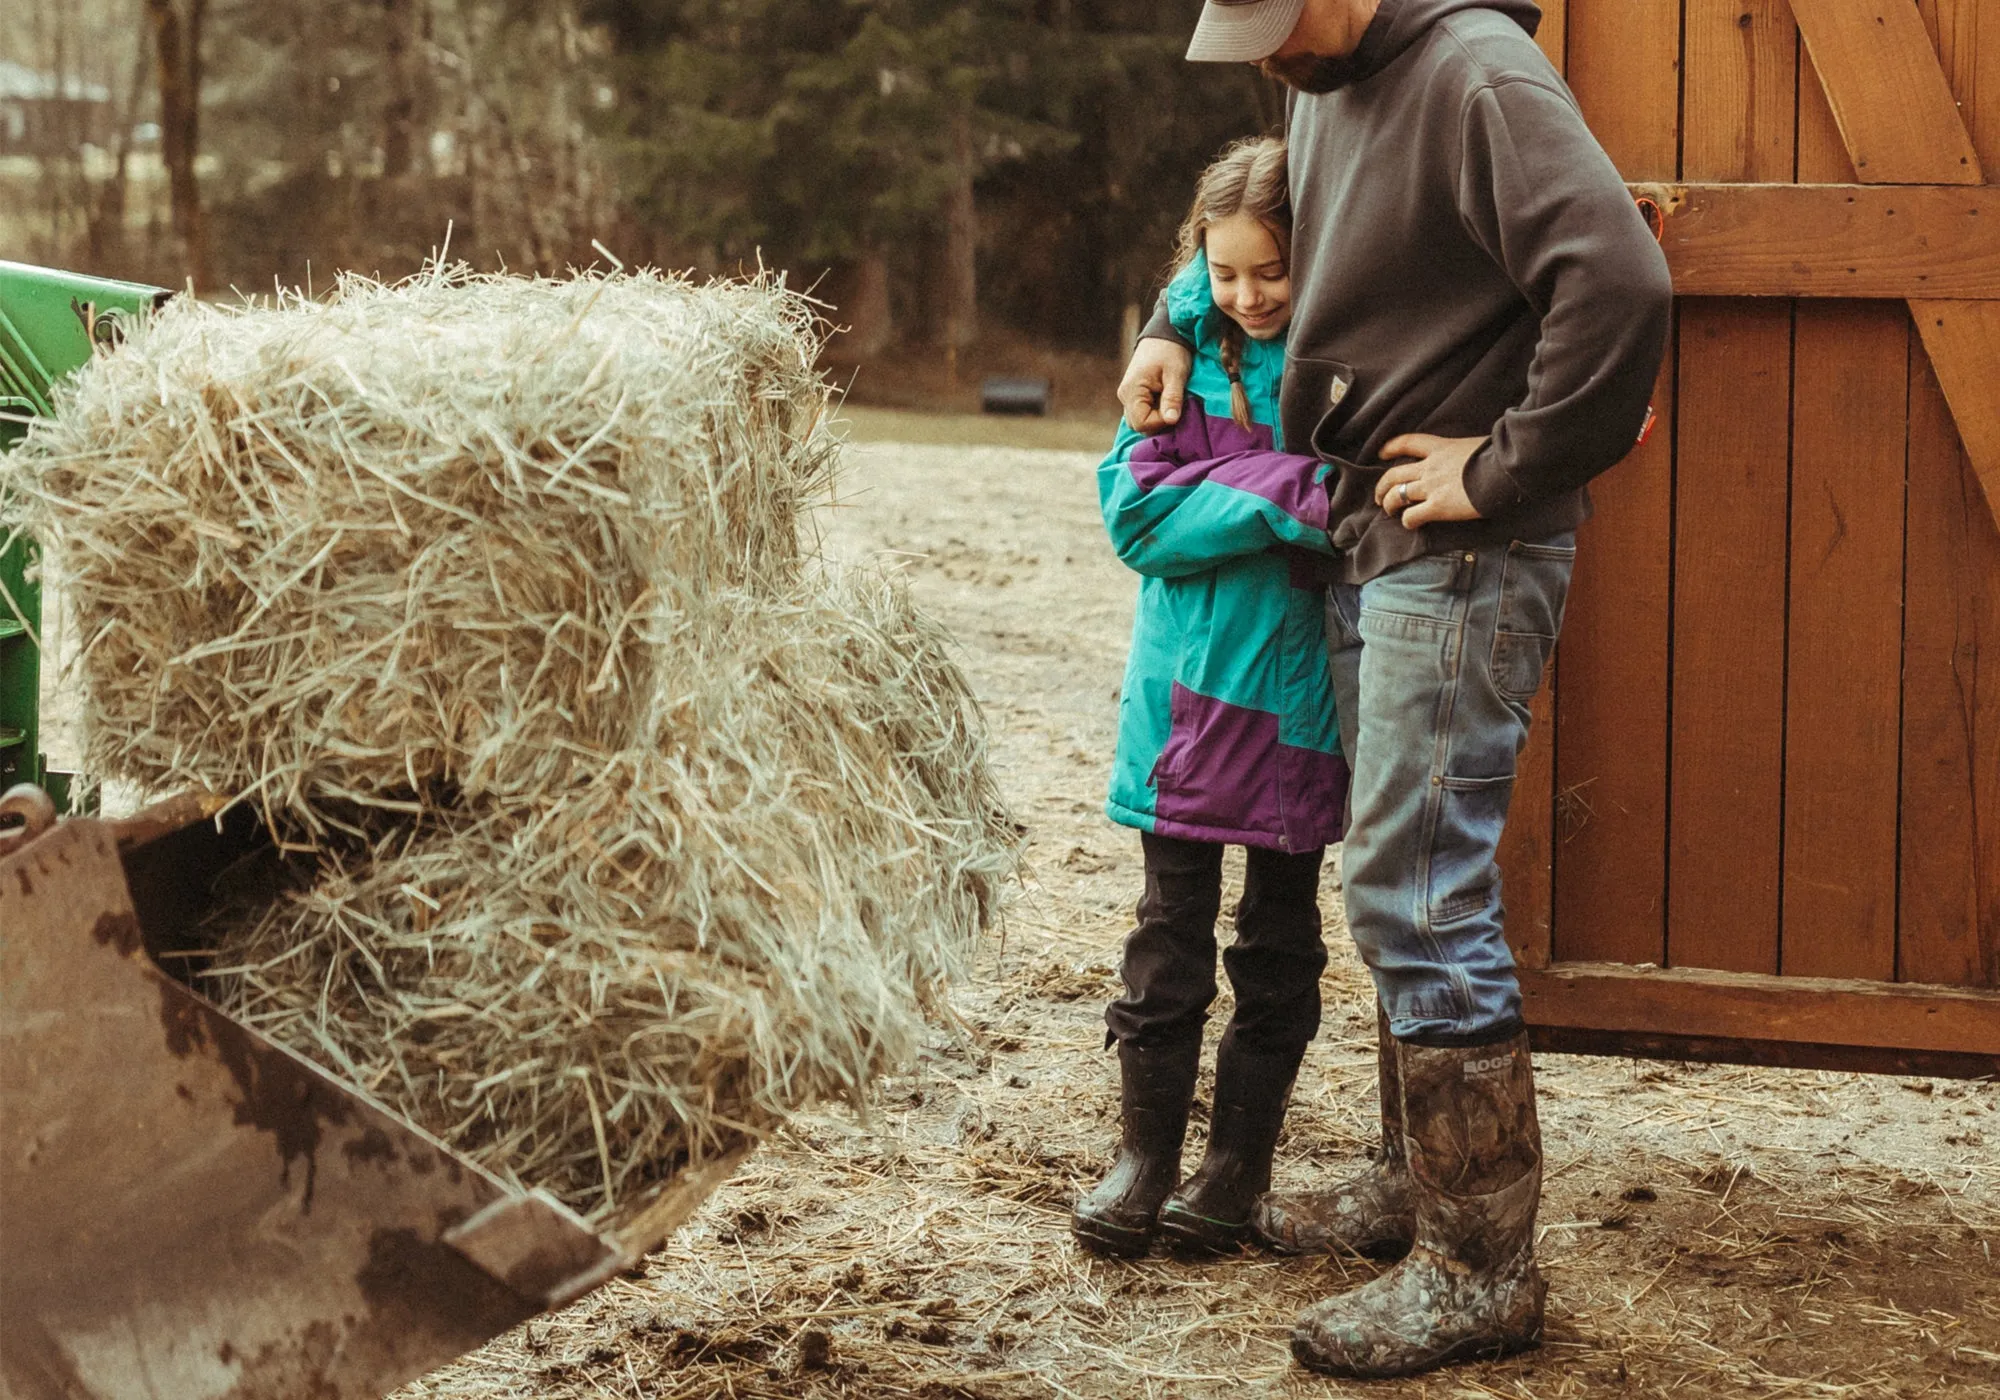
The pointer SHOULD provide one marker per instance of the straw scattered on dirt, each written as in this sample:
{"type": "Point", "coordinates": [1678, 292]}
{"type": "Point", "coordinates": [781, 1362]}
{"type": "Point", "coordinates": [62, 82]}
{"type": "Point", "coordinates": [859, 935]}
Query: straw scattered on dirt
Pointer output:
{"type": "Point", "coordinates": [1710, 1232]}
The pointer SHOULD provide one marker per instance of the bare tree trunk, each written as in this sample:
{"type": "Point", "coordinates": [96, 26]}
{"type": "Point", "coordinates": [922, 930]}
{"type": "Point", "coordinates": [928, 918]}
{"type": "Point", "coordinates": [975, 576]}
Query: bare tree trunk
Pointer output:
{"type": "Point", "coordinates": [177, 60]}
{"type": "Point", "coordinates": [108, 209]}
{"type": "Point", "coordinates": [961, 245]}
{"type": "Point", "coordinates": [860, 292]}
{"type": "Point", "coordinates": [60, 159]}
{"type": "Point", "coordinates": [399, 113]}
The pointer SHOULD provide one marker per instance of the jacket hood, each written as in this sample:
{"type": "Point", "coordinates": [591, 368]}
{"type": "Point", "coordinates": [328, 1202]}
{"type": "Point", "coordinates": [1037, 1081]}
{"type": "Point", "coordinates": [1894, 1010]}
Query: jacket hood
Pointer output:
{"type": "Point", "coordinates": [1189, 298]}
{"type": "Point", "coordinates": [1200, 322]}
{"type": "Point", "coordinates": [1400, 23]}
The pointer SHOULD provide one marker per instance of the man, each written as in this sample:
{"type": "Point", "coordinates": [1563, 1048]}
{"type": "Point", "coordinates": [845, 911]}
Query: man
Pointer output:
{"type": "Point", "coordinates": [1479, 315]}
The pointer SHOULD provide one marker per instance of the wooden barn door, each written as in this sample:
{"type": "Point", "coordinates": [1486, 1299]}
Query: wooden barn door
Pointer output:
{"type": "Point", "coordinates": [1760, 816]}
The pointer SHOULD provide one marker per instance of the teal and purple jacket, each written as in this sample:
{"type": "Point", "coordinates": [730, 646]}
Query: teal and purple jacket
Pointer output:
{"type": "Point", "coordinates": [1226, 725]}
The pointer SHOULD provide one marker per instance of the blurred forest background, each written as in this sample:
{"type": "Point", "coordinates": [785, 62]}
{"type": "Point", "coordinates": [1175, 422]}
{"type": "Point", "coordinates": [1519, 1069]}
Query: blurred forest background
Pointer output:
{"type": "Point", "coordinates": [997, 180]}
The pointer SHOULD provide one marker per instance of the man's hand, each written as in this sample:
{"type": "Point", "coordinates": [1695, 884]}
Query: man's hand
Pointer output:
{"type": "Point", "coordinates": [1154, 384]}
{"type": "Point", "coordinates": [1432, 488]}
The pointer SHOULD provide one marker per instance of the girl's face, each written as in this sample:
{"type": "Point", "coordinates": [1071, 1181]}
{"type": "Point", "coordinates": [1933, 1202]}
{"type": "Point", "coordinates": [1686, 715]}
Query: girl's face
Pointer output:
{"type": "Point", "coordinates": [1248, 277]}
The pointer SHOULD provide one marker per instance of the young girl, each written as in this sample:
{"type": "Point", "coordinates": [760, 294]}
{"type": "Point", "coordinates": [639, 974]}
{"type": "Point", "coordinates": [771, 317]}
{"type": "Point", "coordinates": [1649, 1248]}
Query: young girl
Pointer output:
{"type": "Point", "coordinates": [1226, 731]}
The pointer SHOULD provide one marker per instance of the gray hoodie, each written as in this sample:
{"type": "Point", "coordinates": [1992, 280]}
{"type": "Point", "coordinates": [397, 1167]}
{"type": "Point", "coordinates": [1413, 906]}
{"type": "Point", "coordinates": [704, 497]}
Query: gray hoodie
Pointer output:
{"type": "Point", "coordinates": [1465, 261]}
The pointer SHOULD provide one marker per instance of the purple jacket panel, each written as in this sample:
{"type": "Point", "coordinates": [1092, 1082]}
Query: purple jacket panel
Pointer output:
{"type": "Point", "coordinates": [1204, 447]}
{"type": "Point", "coordinates": [1223, 770]}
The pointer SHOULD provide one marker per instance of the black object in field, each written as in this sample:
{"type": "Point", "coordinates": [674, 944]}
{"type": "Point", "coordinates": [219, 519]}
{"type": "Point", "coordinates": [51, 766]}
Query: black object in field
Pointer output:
{"type": "Point", "coordinates": [999, 394]}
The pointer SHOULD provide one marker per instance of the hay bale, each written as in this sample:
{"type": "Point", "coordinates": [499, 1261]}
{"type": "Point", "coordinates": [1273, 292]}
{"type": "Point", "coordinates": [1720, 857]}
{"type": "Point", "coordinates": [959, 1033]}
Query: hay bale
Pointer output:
{"type": "Point", "coordinates": [420, 539]}
{"type": "Point", "coordinates": [631, 827]}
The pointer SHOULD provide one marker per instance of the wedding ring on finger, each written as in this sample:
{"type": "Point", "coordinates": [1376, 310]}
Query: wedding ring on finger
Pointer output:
{"type": "Point", "coordinates": [1403, 493]}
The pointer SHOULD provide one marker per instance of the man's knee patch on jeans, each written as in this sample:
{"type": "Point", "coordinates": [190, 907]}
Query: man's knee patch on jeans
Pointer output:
{"type": "Point", "coordinates": [1463, 874]}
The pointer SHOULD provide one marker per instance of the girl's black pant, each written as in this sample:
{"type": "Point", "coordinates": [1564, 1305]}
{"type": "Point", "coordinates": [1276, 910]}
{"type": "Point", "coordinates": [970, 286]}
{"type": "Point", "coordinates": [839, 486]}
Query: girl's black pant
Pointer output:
{"type": "Point", "coordinates": [1273, 966]}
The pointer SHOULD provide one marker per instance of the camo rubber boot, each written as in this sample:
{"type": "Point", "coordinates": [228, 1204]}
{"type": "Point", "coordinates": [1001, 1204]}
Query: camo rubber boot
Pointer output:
{"type": "Point", "coordinates": [1373, 1213]}
{"type": "Point", "coordinates": [1469, 1288]}
{"type": "Point", "coordinates": [1211, 1209]}
{"type": "Point", "coordinates": [1119, 1215]}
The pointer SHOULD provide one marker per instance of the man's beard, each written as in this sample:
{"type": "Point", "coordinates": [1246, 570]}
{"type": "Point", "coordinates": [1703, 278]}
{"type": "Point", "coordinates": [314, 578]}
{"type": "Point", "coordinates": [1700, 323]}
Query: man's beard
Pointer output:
{"type": "Point", "coordinates": [1310, 72]}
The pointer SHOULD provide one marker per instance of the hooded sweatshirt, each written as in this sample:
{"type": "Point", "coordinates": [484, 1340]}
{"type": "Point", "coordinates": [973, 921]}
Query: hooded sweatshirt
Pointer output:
{"type": "Point", "coordinates": [1466, 261]}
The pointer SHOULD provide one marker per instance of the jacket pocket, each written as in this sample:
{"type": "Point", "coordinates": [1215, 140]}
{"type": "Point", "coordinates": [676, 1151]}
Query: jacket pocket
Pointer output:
{"type": "Point", "coordinates": [1534, 589]}
{"type": "Point", "coordinates": [1173, 758]}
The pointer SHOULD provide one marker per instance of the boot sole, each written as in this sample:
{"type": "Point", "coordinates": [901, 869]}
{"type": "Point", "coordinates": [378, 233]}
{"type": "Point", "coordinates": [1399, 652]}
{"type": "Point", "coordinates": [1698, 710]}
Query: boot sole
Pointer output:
{"type": "Point", "coordinates": [1113, 1241]}
{"type": "Point", "coordinates": [1473, 1349]}
{"type": "Point", "coordinates": [1193, 1233]}
{"type": "Point", "coordinates": [1387, 1251]}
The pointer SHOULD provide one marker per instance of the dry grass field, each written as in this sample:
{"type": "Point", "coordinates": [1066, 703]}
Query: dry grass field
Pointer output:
{"type": "Point", "coordinates": [1707, 1231]}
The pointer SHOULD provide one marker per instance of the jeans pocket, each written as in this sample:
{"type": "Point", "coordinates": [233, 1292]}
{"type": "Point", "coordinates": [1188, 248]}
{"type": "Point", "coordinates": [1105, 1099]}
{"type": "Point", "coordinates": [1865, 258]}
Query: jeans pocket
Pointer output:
{"type": "Point", "coordinates": [1464, 874]}
{"type": "Point", "coordinates": [1534, 588]}
{"type": "Point", "coordinates": [1430, 587]}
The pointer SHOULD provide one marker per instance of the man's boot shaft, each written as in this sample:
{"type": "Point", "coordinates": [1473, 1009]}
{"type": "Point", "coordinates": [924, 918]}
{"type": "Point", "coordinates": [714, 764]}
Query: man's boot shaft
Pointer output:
{"type": "Point", "coordinates": [1469, 1287]}
{"type": "Point", "coordinates": [1372, 1213]}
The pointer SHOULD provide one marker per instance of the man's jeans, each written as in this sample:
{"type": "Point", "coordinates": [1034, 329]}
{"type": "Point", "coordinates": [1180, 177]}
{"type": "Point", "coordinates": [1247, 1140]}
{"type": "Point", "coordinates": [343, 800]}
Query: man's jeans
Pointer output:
{"type": "Point", "coordinates": [1434, 663]}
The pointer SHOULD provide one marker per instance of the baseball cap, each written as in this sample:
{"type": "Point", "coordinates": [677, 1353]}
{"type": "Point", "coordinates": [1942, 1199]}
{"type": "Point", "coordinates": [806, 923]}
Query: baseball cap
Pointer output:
{"type": "Point", "coordinates": [1242, 31]}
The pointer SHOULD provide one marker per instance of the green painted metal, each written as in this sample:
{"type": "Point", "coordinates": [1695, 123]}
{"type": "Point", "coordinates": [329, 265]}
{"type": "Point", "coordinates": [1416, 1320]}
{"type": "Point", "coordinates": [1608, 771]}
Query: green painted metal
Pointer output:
{"type": "Point", "coordinates": [51, 323]}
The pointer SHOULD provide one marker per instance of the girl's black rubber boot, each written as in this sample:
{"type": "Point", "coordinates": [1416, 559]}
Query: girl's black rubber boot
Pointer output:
{"type": "Point", "coordinates": [1211, 1211]}
{"type": "Point", "coordinates": [1118, 1216]}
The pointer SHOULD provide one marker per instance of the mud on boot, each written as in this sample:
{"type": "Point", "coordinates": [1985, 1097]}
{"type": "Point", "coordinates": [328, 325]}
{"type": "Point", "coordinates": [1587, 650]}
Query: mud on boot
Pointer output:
{"type": "Point", "coordinates": [1469, 1288]}
{"type": "Point", "coordinates": [1211, 1210]}
{"type": "Point", "coordinates": [1373, 1213]}
{"type": "Point", "coordinates": [1118, 1216]}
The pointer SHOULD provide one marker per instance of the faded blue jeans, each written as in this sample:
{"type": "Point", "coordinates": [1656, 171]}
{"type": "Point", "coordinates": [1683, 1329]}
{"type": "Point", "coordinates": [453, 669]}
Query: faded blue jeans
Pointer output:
{"type": "Point", "coordinates": [1434, 663]}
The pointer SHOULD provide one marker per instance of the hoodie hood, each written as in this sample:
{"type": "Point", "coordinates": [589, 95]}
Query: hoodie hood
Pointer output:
{"type": "Point", "coordinates": [1190, 303]}
{"type": "Point", "coordinates": [1399, 24]}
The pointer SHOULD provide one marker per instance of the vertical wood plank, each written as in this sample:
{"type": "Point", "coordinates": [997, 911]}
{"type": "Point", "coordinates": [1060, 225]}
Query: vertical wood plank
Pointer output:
{"type": "Point", "coordinates": [1843, 693]}
{"type": "Point", "coordinates": [1553, 35]}
{"type": "Point", "coordinates": [1742, 91]}
{"type": "Point", "coordinates": [1949, 924]}
{"type": "Point", "coordinates": [1732, 468]}
{"type": "Point", "coordinates": [1624, 67]}
{"type": "Point", "coordinates": [1729, 635]}
{"type": "Point", "coordinates": [1527, 845]}
{"type": "Point", "coordinates": [1611, 749]}
{"type": "Point", "coordinates": [1611, 734]}
{"type": "Point", "coordinates": [1949, 903]}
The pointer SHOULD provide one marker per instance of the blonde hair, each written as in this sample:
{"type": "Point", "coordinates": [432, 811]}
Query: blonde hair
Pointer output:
{"type": "Point", "coordinates": [1247, 178]}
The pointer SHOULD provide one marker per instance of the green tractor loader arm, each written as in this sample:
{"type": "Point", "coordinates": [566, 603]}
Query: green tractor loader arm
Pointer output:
{"type": "Point", "coordinates": [51, 323]}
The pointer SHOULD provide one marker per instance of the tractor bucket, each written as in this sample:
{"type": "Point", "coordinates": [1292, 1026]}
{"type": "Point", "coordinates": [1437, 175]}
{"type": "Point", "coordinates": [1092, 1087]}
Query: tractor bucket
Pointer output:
{"type": "Point", "coordinates": [193, 1212]}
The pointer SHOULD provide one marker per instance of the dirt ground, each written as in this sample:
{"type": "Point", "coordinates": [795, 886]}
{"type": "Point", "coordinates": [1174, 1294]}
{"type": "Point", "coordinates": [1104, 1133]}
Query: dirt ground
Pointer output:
{"type": "Point", "coordinates": [1706, 1231]}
